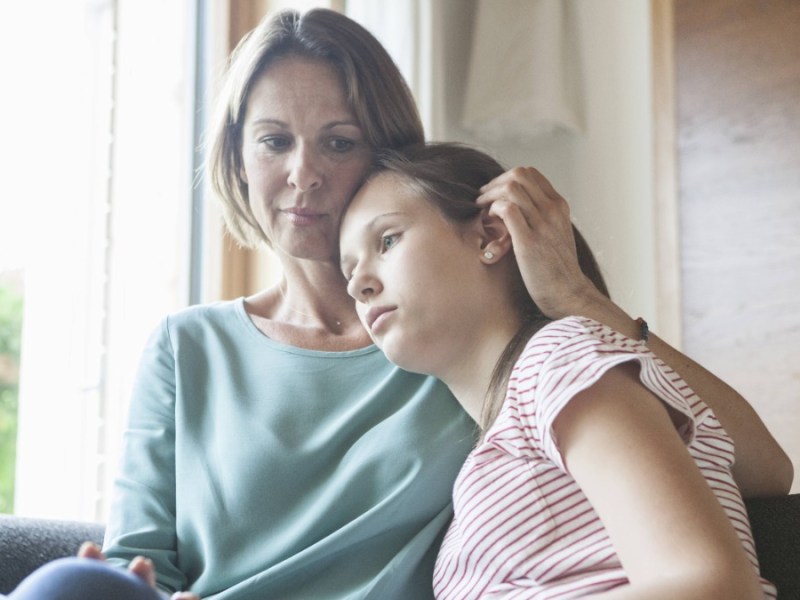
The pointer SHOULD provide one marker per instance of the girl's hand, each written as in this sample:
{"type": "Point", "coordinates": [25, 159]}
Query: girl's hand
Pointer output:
{"type": "Point", "coordinates": [140, 566]}
{"type": "Point", "coordinates": [538, 219]}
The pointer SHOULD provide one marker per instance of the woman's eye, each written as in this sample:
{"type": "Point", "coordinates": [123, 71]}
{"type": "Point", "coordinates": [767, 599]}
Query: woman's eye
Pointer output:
{"type": "Point", "coordinates": [275, 142]}
{"type": "Point", "coordinates": [388, 241]}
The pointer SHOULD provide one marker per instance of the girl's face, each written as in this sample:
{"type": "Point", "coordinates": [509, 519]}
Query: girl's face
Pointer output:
{"type": "Point", "coordinates": [303, 155]}
{"type": "Point", "coordinates": [415, 276]}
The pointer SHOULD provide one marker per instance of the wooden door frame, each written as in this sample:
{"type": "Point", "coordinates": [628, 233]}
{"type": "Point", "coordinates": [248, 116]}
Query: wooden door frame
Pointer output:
{"type": "Point", "coordinates": [665, 172]}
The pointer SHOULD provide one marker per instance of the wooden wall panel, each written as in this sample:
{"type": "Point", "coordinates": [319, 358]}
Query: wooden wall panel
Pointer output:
{"type": "Point", "coordinates": [239, 271]}
{"type": "Point", "coordinates": [665, 184]}
{"type": "Point", "coordinates": [738, 90]}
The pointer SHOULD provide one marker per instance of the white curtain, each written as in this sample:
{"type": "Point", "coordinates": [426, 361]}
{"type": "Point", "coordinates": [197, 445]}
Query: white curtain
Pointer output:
{"type": "Point", "coordinates": [523, 76]}
{"type": "Point", "coordinates": [524, 72]}
{"type": "Point", "coordinates": [408, 29]}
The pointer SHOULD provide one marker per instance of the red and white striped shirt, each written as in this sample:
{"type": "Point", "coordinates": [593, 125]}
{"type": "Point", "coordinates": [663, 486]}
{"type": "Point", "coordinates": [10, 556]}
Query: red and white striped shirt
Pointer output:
{"type": "Point", "coordinates": [522, 527]}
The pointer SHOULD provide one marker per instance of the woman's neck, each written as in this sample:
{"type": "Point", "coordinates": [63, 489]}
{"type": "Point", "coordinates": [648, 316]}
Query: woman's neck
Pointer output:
{"type": "Point", "coordinates": [309, 308]}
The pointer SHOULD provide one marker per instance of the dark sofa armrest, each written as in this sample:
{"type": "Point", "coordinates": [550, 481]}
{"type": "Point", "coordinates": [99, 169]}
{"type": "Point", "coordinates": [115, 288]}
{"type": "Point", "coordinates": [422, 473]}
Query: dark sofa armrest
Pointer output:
{"type": "Point", "coordinates": [776, 529]}
{"type": "Point", "coordinates": [26, 544]}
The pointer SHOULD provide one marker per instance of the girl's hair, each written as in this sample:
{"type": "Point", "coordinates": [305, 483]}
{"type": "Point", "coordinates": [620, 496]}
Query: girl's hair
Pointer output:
{"type": "Point", "coordinates": [375, 90]}
{"type": "Point", "coordinates": [450, 176]}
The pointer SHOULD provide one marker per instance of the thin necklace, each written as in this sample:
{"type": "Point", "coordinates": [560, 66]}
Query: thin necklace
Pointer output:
{"type": "Point", "coordinates": [299, 312]}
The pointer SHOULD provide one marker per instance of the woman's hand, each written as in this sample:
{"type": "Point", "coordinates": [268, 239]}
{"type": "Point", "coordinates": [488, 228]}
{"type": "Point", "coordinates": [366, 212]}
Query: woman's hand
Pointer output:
{"type": "Point", "coordinates": [538, 219]}
{"type": "Point", "coordinates": [140, 566]}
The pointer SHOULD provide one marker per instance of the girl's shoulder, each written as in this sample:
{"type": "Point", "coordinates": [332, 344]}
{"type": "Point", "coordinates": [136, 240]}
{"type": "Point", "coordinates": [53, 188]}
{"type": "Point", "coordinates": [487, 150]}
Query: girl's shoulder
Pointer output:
{"type": "Point", "coordinates": [569, 355]}
{"type": "Point", "coordinates": [578, 326]}
{"type": "Point", "coordinates": [574, 336]}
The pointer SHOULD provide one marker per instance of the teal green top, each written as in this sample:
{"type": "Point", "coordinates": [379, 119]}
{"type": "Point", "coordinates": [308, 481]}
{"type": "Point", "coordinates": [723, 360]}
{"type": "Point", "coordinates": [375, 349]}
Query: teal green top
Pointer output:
{"type": "Point", "coordinates": [255, 470]}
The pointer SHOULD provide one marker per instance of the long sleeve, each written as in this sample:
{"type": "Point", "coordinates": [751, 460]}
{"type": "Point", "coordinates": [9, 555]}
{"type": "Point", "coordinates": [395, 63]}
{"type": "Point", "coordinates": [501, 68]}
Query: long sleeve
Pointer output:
{"type": "Point", "coordinates": [143, 511]}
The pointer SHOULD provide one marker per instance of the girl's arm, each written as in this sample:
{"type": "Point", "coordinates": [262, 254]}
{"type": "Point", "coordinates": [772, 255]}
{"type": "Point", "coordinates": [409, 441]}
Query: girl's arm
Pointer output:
{"type": "Point", "coordinates": [538, 219]}
{"type": "Point", "coordinates": [673, 538]}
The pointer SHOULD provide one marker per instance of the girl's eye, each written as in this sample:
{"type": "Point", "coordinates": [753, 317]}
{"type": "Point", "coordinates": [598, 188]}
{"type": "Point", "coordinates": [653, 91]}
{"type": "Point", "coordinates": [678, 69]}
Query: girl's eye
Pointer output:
{"type": "Point", "coordinates": [388, 241]}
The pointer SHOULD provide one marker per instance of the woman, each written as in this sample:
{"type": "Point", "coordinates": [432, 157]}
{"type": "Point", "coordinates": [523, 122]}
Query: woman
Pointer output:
{"type": "Point", "coordinates": [272, 450]}
{"type": "Point", "coordinates": [599, 472]}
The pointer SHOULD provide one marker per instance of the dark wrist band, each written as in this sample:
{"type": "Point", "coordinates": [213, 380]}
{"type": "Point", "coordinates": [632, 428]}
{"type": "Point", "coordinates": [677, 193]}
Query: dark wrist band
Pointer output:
{"type": "Point", "coordinates": [644, 330]}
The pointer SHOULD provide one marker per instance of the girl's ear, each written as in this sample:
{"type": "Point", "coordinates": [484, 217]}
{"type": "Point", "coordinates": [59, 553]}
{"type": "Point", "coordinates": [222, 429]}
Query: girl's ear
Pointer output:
{"type": "Point", "coordinates": [243, 175]}
{"type": "Point", "coordinates": [494, 237]}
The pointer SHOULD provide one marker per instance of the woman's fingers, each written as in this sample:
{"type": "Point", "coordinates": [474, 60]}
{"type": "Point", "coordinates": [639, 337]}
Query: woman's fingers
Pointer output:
{"type": "Point", "coordinates": [527, 188]}
{"type": "Point", "coordinates": [512, 215]}
{"type": "Point", "coordinates": [536, 215]}
{"type": "Point", "coordinates": [538, 220]}
{"type": "Point", "coordinates": [526, 180]}
{"type": "Point", "coordinates": [523, 174]}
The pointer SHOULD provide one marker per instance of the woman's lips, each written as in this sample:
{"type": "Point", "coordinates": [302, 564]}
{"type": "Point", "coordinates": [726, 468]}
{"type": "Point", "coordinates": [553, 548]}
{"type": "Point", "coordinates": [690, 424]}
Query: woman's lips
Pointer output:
{"type": "Point", "coordinates": [303, 216]}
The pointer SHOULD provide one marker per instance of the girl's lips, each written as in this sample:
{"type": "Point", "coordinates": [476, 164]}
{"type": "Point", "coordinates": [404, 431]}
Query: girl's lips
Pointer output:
{"type": "Point", "coordinates": [376, 315]}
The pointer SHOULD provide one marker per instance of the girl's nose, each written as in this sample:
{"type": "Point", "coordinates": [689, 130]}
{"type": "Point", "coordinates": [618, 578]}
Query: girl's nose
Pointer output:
{"type": "Point", "coordinates": [362, 285]}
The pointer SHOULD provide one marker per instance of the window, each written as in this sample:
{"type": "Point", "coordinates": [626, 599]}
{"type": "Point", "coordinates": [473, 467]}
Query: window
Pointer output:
{"type": "Point", "coordinates": [99, 224]}
{"type": "Point", "coordinates": [96, 218]}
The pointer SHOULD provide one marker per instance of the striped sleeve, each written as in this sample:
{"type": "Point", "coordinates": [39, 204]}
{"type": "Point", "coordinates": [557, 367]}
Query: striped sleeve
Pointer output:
{"type": "Point", "coordinates": [569, 356]}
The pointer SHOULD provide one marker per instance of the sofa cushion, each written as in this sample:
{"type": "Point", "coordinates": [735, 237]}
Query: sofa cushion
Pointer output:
{"type": "Point", "coordinates": [26, 544]}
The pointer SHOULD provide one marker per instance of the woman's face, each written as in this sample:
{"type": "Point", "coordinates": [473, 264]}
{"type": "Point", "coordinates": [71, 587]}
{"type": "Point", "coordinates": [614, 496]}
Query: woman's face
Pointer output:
{"type": "Point", "coordinates": [415, 276]}
{"type": "Point", "coordinates": [303, 156]}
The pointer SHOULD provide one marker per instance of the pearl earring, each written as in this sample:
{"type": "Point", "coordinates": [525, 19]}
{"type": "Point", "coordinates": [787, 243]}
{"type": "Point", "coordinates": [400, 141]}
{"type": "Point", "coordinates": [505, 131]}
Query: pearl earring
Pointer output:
{"type": "Point", "coordinates": [488, 255]}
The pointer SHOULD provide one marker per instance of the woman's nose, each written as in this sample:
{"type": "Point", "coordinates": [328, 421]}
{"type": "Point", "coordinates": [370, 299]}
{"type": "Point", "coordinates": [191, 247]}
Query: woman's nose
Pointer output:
{"type": "Point", "coordinates": [305, 173]}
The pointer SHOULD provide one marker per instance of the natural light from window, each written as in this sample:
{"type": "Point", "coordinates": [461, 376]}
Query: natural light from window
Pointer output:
{"type": "Point", "coordinates": [94, 226]}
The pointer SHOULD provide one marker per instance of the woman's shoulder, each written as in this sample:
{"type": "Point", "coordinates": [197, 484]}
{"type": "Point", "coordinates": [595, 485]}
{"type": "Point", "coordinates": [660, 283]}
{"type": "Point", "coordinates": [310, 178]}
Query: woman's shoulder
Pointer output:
{"type": "Point", "coordinates": [199, 320]}
{"type": "Point", "coordinates": [208, 310]}
{"type": "Point", "coordinates": [203, 315]}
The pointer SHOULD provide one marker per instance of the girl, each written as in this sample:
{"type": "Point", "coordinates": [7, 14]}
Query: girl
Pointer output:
{"type": "Point", "coordinates": [598, 471]}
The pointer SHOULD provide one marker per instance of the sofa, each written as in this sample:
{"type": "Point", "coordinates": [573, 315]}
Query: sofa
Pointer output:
{"type": "Point", "coordinates": [25, 543]}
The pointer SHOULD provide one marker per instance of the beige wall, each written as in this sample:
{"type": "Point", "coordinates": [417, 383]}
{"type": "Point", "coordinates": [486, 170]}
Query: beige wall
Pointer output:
{"type": "Point", "coordinates": [738, 83]}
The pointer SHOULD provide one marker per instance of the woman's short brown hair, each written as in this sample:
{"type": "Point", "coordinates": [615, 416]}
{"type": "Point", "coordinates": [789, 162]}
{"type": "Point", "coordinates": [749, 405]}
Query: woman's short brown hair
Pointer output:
{"type": "Point", "coordinates": [375, 89]}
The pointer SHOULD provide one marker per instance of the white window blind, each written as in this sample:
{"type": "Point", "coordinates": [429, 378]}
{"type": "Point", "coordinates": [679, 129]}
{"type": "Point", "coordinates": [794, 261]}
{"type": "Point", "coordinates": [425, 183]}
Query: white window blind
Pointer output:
{"type": "Point", "coordinates": [109, 188]}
